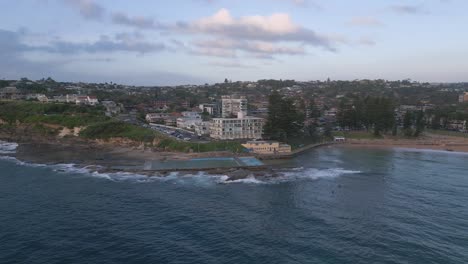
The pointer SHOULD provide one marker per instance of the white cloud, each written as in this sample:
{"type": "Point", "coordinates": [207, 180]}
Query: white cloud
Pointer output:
{"type": "Point", "coordinates": [277, 27]}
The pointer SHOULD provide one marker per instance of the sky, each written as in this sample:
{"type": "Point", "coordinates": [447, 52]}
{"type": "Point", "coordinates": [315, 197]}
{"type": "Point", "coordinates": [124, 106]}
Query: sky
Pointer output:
{"type": "Point", "coordinates": [156, 42]}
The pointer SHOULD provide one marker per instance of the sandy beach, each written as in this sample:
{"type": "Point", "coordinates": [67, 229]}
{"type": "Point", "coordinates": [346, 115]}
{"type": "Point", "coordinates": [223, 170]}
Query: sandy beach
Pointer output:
{"type": "Point", "coordinates": [432, 142]}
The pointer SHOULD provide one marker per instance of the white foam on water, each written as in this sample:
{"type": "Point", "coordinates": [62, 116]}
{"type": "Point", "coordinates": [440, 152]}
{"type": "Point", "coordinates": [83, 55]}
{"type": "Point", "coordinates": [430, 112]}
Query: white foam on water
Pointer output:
{"type": "Point", "coordinates": [201, 179]}
{"type": "Point", "coordinates": [19, 162]}
{"type": "Point", "coordinates": [249, 180]}
{"type": "Point", "coordinates": [198, 179]}
{"type": "Point", "coordinates": [8, 147]}
{"type": "Point", "coordinates": [310, 174]}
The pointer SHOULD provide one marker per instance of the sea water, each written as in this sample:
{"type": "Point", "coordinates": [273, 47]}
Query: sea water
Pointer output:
{"type": "Point", "coordinates": [332, 205]}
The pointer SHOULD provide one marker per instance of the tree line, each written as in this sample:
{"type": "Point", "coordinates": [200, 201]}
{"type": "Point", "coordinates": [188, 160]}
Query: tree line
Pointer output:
{"type": "Point", "coordinates": [284, 119]}
{"type": "Point", "coordinates": [377, 114]}
{"type": "Point", "coordinates": [370, 113]}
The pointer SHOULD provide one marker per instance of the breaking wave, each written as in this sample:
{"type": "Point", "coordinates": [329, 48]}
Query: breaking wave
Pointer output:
{"type": "Point", "coordinates": [200, 178]}
{"type": "Point", "coordinates": [8, 147]}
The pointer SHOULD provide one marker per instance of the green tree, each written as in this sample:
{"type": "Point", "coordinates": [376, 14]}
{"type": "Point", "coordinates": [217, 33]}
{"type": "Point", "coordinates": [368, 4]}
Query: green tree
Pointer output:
{"type": "Point", "coordinates": [205, 116]}
{"type": "Point", "coordinates": [284, 121]}
{"type": "Point", "coordinates": [407, 123]}
{"type": "Point", "coordinates": [435, 122]}
{"type": "Point", "coordinates": [375, 113]}
{"type": "Point", "coordinates": [314, 112]}
{"type": "Point", "coordinates": [327, 132]}
{"type": "Point", "coordinates": [419, 124]}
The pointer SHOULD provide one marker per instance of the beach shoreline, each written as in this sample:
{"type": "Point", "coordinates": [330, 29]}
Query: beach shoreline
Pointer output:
{"type": "Point", "coordinates": [441, 143]}
{"type": "Point", "coordinates": [114, 158]}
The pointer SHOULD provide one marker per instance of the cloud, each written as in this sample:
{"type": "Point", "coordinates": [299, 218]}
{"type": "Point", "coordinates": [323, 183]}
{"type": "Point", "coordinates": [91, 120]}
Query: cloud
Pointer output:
{"type": "Point", "coordinates": [407, 9]}
{"type": "Point", "coordinates": [365, 21]}
{"type": "Point", "coordinates": [12, 42]}
{"type": "Point", "coordinates": [105, 44]}
{"type": "Point", "coordinates": [274, 28]}
{"type": "Point", "coordinates": [229, 48]}
{"type": "Point", "coordinates": [87, 8]}
{"type": "Point", "coordinates": [15, 63]}
{"type": "Point", "coordinates": [255, 34]}
{"type": "Point", "coordinates": [137, 21]}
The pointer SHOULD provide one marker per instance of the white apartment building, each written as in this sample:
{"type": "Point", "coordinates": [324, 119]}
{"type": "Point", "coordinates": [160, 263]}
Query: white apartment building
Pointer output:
{"type": "Point", "coordinates": [237, 128]}
{"type": "Point", "coordinates": [202, 128]}
{"type": "Point", "coordinates": [231, 105]}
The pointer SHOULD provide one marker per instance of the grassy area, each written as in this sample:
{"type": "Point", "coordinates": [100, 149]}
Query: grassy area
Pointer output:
{"type": "Point", "coordinates": [66, 115]}
{"type": "Point", "coordinates": [110, 129]}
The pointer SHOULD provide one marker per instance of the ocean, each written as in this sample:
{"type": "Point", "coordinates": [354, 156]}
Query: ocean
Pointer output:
{"type": "Point", "coordinates": [332, 205]}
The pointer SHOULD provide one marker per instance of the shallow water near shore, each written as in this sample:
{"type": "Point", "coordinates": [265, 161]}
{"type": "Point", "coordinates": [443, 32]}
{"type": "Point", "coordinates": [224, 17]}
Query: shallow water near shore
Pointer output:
{"type": "Point", "coordinates": [331, 205]}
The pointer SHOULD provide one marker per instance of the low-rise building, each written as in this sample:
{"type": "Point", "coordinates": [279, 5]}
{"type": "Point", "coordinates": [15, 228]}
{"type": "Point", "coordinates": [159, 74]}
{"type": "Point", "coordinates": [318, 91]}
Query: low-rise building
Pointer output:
{"type": "Point", "coordinates": [331, 113]}
{"type": "Point", "coordinates": [339, 139]}
{"type": "Point", "coordinates": [463, 97]}
{"type": "Point", "coordinates": [161, 105]}
{"type": "Point", "coordinates": [189, 119]}
{"type": "Point", "coordinates": [92, 100]}
{"type": "Point", "coordinates": [111, 108]}
{"type": "Point", "coordinates": [75, 99]}
{"type": "Point", "coordinates": [457, 125]}
{"type": "Point", "coordinates": [42, 98]}
{"type": "Point", "coordinates": [187, 122]}
{"type": "Point", "coordinates": [157, 117]}
{"type": "Point", "coordinates": [10, 93]}
{"type": "Point", "coordinates": [267, 147]}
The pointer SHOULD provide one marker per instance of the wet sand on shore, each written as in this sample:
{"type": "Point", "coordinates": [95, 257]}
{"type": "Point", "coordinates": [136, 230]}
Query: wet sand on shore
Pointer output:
{"type": "Point", "coordinates": [442, 143]}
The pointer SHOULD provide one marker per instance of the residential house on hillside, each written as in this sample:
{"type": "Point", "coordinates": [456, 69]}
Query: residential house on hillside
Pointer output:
{"type": "Point", "coordinates": [157, 117]}
{"type": "Point", "coordinates": [161, 105]}
{"type": "Point", "coordinates": [168, 119]}
{"type": "Point", "coordinates": [10, 93]}
{"type": "Point", "coordinates": [75, 99]}
{"type": "Point", "coordinates": [463, 97]}
{"type": "Point", "coordinates": [111, 108]}
{"type": "Point", "coordinates": [86, 100]}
